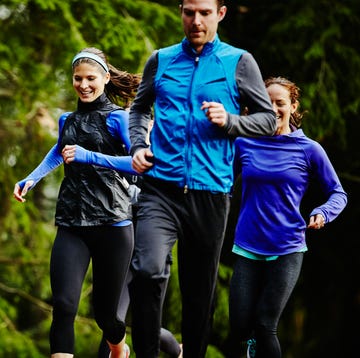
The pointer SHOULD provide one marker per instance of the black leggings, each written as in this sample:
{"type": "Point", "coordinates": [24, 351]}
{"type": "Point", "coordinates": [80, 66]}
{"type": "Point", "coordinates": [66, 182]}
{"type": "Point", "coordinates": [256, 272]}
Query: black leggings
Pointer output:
{"type": "Point", "coordinates": [168, 343]}
{"type": "Point", "coordinates": [110, 249]}
{"type": "Point", "coordinates": [259, 292]}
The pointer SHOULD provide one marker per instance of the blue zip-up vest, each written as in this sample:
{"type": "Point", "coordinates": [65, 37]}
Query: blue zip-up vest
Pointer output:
{"type": "Point", "coordinates": [189, 150]}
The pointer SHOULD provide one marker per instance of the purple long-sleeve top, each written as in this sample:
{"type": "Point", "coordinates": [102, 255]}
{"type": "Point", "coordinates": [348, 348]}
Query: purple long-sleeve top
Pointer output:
{"type": "Point", "coordinates": [276, 172]}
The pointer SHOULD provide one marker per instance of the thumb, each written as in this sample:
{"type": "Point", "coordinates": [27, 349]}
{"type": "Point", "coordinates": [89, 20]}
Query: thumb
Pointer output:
{"type": "Point", "coordinates": [27, 186]}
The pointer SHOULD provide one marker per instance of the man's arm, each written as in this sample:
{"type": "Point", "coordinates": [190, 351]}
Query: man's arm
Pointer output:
{"type": "Point", "coordinates": [141, 108]}
{"type": "Point", "coordinates": [260, 118]}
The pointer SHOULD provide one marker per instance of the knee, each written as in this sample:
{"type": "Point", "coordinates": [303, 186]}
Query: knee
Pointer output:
{"type": "Point", "coordinates": [63, 308]}
{"type": "Point", "coordinates": [149, 268]}
{"type": "Point", "coordinates": [264, 330]}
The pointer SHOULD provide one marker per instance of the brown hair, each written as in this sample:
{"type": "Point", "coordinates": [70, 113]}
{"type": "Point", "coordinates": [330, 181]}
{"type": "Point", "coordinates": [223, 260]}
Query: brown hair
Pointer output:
{"type": "Point", "coordinates": [122, 87]}
{"type": "Point", "coordinates": [219, 3]}
{"type": "Point", "coordinates": [294, 94]}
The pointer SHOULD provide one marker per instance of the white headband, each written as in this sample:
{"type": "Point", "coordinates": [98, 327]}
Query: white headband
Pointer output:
{"type": "Point", "coordinates": [94, 57]}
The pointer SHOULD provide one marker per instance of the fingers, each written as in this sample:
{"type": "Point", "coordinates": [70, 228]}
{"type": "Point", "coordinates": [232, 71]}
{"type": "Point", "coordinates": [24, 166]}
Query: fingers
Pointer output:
{"type": "Point", "coordinates": [68, 153]}
{"type": "Point", "coordinates": [142, 160]}
{"type": "Point", "coordinates": [319, 221]}
{"type": "Point", "coordinates": [316, 222]}
{"type": "Point", "coordinates": [215, 112]}
{"type": "Point", "coordinates": [19, 194]}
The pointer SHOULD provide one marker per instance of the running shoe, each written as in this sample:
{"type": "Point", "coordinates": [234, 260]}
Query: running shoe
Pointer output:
{"type": "Point", "coordinates": [126, 351]}
{"type": "Point", "coordinates": [251, 348]}
{"type": "Point", "coordinates": [181, 351]}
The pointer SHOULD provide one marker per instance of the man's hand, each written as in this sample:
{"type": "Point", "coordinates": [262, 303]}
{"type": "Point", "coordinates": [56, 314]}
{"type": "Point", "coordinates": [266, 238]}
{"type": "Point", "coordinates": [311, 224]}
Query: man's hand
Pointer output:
{"type": "Point", "coordinates": [142, 160]}
{"type": "Point", "coordinates": [215, 112]}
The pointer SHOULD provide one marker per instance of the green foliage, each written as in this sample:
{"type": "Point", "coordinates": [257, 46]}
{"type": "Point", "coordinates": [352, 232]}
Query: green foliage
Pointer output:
{"type": "Point", "coordinates": [16, 344]}
{"type": "Point", "coordinates": [316, 52]}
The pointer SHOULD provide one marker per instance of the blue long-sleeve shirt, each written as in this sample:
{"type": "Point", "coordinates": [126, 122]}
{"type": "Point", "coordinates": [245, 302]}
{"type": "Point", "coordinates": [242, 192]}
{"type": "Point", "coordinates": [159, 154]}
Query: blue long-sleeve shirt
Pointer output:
{"type": "Point", "coordinates": [276, 172]}
{"type": "Point", "coordinates": [117, 124]}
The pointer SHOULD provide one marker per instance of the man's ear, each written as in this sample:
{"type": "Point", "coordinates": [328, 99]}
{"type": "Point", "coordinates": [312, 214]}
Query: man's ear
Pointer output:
{"type": "Point", "coordinates": [222, 12]}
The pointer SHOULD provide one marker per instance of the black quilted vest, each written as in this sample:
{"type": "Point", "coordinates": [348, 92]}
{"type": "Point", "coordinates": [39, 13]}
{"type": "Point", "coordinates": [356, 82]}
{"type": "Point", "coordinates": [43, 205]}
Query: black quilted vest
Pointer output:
{"type": "Point", "coordinates": [90, 195]}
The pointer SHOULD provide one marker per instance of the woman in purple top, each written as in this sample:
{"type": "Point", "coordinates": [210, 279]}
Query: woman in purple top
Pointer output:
{"type": "Point", "coordinates": [270, 232]}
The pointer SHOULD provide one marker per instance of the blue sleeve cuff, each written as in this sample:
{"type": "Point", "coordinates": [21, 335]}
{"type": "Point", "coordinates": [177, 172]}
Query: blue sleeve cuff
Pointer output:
{"type": "Point", "coordinates": [51, 161]}
{"type": "Point", "coordinates": [122, 164]}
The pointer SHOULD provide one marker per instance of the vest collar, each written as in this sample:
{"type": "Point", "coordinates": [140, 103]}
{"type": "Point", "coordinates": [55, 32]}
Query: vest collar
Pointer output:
{"type": "Point", "coordinates": [207, 49]}
{"type": "Point", "coordinates": [100, 102]}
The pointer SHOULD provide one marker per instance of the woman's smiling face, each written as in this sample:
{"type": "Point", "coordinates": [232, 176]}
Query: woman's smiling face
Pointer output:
{"type": "Point", "coordinates": [282, 106]}
{"type": "Point", "coordinates": [89, 81]}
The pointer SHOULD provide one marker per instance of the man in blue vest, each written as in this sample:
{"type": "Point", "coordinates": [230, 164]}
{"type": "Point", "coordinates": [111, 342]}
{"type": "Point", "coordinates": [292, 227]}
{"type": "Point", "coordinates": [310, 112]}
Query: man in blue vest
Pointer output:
{"type": "Point", "coordinates": [196, 91]}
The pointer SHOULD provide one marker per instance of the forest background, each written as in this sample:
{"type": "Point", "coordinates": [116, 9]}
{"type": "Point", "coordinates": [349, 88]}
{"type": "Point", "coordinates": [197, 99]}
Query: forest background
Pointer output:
{"type": "Point", "coordinates": [314, 43]}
